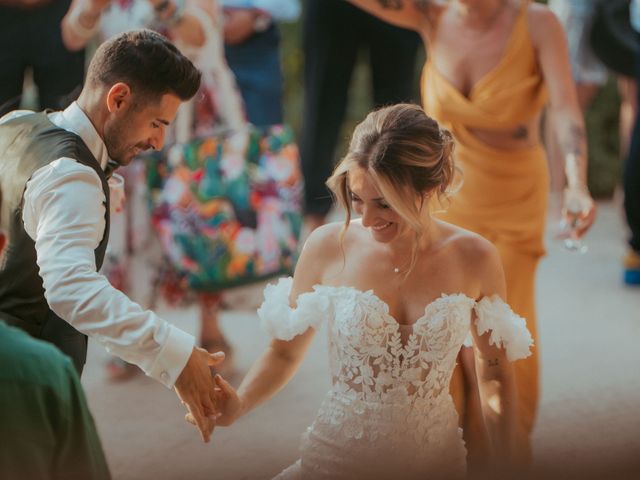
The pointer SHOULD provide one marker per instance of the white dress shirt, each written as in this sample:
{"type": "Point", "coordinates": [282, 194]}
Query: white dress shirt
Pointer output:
{"type": "Point", "coordinates": [64, 214]}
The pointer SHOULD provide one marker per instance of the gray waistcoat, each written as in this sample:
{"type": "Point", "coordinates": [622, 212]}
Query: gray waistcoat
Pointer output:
{"type": "Point", "coordinates": [28, 143]}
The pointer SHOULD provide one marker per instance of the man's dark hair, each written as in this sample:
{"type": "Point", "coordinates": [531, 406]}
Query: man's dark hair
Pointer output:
{"type": "Point", "coordinates": [146, 61]}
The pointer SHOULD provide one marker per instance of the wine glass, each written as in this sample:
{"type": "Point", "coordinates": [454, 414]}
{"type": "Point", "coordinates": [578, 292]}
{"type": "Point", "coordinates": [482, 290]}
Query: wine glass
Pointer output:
{"type": "Point", "coordinates": [576, 204]}
{"type": "Point", "coordinates": [572, 242]}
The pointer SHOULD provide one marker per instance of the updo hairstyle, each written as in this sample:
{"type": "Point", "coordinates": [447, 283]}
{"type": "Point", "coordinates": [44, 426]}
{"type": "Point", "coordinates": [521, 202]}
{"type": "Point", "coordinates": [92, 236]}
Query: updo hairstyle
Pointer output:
{"type": "Point", "coordinates": [408, 156]}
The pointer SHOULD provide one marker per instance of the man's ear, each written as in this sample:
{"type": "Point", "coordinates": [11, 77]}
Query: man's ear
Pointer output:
{"type": "Point", "coordinates": [118, 97]}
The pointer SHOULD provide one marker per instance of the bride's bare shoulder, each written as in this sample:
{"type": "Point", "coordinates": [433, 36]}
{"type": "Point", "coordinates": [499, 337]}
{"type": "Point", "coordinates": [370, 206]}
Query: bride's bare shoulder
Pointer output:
{"type": "Point", "coordinates": [323, 243]}
{"type": "Point", "coordinates": [332, 241]}
{"type": "Point", "coordinates": [329, 239]}
{"type": "Point", "coordinates": [326, 247]}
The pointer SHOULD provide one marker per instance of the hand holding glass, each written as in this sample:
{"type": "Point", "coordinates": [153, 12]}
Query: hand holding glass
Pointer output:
{"type": "Point", "coordinates": [578, 204]}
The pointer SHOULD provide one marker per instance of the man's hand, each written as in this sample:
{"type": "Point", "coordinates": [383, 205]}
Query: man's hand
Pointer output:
{"type": "Point", "coordinates": [195, 388]}
{"type": "Point", "coordinates": [239, 24]}
{"type": "Point", "coordinates": [229, 405]}
{"type": "Point", "coordinates": [92, 8]}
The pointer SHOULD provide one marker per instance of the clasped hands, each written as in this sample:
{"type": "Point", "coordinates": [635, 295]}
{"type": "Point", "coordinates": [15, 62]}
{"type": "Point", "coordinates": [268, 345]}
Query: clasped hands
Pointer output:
{"type": "Point", "coordinates": [210, 401]}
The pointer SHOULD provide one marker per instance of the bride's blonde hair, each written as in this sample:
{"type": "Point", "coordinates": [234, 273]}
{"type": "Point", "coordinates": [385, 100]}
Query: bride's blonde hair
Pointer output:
{"type": "Point", "coordinates": [408, 156]}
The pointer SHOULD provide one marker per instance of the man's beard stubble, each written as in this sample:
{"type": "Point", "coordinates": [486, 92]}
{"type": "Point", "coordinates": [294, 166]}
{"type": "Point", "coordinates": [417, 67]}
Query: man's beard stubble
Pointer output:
{"type": "Point", "coordinates": [115, 141]}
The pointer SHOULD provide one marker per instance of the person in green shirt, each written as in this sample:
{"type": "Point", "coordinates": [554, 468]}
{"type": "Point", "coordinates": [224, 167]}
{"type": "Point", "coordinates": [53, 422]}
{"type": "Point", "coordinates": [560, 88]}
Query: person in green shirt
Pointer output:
{"type": "Point", "coordinates": [46, 428]}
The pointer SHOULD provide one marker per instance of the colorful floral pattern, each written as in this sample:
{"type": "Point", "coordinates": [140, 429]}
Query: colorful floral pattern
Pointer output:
{"type": "Point", "coordinates": [228, 209]}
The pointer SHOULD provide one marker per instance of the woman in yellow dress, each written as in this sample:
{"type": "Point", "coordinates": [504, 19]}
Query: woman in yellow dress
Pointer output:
{"type": "Point", "coordinates": [493, 66]}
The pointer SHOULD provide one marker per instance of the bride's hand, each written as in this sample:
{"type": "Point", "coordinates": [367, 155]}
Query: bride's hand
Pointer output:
{"type": "Point", "coordinates": [228, 404]}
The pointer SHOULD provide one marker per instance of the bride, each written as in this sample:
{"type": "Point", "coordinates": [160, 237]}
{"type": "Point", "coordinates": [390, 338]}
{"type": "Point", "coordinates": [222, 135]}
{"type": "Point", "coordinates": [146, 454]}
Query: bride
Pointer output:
{"type": "Point", "coordinates": [400, 291]}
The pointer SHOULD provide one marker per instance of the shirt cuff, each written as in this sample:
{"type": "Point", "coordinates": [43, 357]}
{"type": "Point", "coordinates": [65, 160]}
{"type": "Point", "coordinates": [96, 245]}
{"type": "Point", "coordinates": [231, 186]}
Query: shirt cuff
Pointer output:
{"type": "Point", "coordinates": [172, 357]}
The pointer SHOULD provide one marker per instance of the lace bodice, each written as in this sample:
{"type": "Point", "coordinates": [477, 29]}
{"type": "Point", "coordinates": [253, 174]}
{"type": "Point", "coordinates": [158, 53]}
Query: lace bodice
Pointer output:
{"type": "Point", "coordinates": [389, 406]}
{"type": "Point", "coordinates": [375, 359]}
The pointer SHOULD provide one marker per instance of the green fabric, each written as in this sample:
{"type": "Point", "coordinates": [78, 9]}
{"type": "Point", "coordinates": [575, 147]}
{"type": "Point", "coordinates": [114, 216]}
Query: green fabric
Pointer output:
{"type": "Point", "coordinates": [46, 429]}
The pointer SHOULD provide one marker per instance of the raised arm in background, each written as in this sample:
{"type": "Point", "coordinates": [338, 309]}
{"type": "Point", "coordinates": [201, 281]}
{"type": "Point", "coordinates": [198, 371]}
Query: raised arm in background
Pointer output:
{"type": "Point", "coordinates": [82, 21]}
{"type": "Point", "coordinates": [411, 14]}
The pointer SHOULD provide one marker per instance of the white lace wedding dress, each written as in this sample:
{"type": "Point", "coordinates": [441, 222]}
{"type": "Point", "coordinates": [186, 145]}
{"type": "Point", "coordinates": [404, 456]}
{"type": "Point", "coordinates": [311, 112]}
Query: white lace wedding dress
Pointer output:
{"type": "Point", "coordinates": [389, 413]}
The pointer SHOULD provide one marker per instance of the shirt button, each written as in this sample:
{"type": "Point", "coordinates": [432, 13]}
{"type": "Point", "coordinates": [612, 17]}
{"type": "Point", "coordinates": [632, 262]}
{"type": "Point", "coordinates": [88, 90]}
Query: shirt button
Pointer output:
{"type": "Point", "coordinates": [164, 376]}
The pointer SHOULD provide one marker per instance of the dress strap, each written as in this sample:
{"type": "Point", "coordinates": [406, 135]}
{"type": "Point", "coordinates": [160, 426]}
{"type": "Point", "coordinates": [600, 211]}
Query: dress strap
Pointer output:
{"type": "Point", "coordinates": [282, 321]}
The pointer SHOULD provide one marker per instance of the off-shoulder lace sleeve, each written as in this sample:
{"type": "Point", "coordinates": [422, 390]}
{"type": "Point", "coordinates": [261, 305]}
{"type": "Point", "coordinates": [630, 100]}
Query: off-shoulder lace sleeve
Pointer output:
{"type": "Point", "coordinates": [508, 330]}
{"type": "Point", "coordinates": [283, 322]}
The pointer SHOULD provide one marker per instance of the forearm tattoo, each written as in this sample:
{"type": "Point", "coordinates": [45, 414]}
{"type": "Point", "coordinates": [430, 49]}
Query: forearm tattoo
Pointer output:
{"type": "Point", "coordinates": [574, 140]}
{"type": "Point", "coordinates": [391, 4]}
{"type": "Point", "coordinates": [493, 362]}
{"type": "Point", "coordinates": [399, 4]}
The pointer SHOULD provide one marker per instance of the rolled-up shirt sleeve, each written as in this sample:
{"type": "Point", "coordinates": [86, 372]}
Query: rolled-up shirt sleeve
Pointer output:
{"type": "Point", "coordinates": [64, 214]}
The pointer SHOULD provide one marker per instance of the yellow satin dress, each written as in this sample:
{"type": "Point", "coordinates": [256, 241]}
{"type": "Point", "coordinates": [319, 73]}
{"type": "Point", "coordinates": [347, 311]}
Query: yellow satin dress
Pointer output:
{"type": "Point", "coordinates": [503, 196]}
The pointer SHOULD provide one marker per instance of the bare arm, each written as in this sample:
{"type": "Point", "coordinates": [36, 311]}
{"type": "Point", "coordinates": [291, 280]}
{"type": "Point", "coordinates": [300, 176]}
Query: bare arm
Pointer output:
{"type": "Point", "coordinates": [280, 361]}
{"type": "Point", "coordinates": [189, 29]}
{"type": "Point", "coordinates": [411, 14]}
{"type": "Point", "coordinates": [81, 22]}
{"type": "Point", "coordinates": [240, 24]}
{"type": "Point", "coordinates": [272, 371]}
{"type": "Point", "coordinates": [551, 43]}
{"type": "Point", "coordinates": [495, 373]}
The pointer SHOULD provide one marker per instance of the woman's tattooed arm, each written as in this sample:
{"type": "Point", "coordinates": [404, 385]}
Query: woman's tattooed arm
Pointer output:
{"type": "Point", "coordinates": [399, 4]}
{"type": "Point", "coordinates": [572, 138]}
{"type": "Point", "coordinates": [409, 14]}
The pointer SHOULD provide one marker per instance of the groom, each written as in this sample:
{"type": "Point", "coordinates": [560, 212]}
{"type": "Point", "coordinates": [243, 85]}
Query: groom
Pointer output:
{"type": "Point", "coordinates": [54, 169]}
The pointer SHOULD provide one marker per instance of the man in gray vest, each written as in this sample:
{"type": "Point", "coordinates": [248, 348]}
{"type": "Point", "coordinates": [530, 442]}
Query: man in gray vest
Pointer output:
{"type": "Point", "coordinates": [54, 169]}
